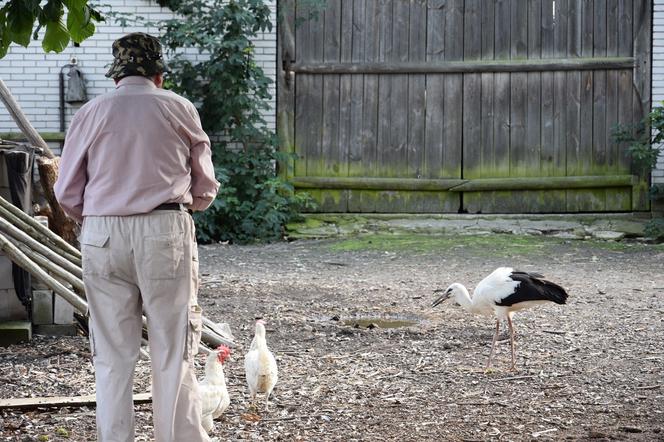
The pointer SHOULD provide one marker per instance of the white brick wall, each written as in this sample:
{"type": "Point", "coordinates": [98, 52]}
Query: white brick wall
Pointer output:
{"type": "Point", "coordinates": [658, 74]}
{"type": "Point", "coordinates": [32, 76]}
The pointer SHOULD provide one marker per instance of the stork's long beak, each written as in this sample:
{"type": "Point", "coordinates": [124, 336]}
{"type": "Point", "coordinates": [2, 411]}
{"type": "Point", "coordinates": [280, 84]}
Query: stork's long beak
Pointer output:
{"type": "Point", "coordinates": [442, 297]}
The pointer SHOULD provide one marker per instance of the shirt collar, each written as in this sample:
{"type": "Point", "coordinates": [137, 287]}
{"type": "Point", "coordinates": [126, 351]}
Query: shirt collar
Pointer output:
{"type": "Point", "coordinates": [135, 80]}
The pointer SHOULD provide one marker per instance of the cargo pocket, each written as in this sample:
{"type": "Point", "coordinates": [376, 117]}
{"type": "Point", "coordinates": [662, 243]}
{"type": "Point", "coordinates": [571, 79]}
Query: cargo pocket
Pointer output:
{"type": "Point", "coordinates": [164, 255]}
{"type": "Point", "coordinates": [194, 331]}
{"type": "Point", "coordinates": [96, 253]}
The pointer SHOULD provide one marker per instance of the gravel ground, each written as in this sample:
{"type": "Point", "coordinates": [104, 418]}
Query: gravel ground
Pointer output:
{"type": "Point", "coordinates": [588, 370]}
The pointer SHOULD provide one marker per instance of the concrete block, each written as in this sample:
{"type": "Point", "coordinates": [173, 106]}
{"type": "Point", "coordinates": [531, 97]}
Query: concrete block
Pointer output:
{"type": "Point", "coordinates": [11, 308]}
{"type": "Point", "coordinates": [55, 330]}
{"type": "Point", "coordinates": [63, 312]}
{"type": "Point", "coordinates": [13, 332]}
{"type": "Point", "coordinates": [42, 307]}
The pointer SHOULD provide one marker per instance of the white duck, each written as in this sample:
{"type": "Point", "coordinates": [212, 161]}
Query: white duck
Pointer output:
{"type": "Point", "coordinates": [260, 365]}
{"type": "Point", "coordinates": [502, 293]}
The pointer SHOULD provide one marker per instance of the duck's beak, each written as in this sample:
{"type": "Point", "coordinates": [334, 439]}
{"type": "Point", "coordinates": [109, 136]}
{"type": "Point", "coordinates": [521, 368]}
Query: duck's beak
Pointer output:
{"type": "Point", "coordinates": [442, 297]}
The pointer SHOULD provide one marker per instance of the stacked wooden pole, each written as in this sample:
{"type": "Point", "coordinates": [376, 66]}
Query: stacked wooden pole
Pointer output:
{"type": "Point", "coordinates": [57, 263]}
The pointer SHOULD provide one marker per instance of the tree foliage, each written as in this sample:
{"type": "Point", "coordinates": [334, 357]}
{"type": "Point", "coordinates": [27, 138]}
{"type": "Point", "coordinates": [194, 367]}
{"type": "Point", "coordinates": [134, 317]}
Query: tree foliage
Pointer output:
{"type": "Point", "coordinates": [22, 19]}
{"type": "Point", "coordinates": [232, 93]}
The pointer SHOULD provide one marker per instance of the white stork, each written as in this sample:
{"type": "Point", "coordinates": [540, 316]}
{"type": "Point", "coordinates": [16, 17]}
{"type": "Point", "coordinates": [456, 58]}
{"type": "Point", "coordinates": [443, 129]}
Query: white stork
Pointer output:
{"type": "Point", "coordinates": [502, 293]}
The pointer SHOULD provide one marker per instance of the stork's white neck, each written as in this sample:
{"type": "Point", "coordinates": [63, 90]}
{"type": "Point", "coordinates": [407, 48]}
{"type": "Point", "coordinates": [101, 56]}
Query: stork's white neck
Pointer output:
{"type": "Point", "coordinates": [462, 297]}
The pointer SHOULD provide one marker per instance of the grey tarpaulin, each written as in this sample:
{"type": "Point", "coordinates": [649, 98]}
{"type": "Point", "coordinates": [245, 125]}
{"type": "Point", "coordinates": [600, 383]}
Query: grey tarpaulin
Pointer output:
{"type": "Point", "coordinates": [19, 174]}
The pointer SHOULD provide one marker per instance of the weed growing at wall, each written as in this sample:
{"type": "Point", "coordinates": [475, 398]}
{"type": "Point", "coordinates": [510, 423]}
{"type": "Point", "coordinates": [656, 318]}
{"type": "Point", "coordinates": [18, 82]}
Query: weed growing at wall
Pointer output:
{"type": "Point", "coordinates": [231, 92]}
{"type": "Point", "coordinates": [644, 148]}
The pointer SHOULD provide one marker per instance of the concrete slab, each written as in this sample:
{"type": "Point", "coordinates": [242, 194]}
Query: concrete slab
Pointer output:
{"type": "Point", "coordinates": [577, 226]}
{"type": "Point", "coordinates": [55, 330]}
{"type": "Point", "coordinates": [42, 307]}
{"type": "Point", "coordinates": [13, 332]}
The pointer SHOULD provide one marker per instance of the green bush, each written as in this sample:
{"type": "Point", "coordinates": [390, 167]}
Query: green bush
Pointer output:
{"type": "Point", "coordinates": [231, 92]}
{"type": "Point", "coordinates": [644, 148]}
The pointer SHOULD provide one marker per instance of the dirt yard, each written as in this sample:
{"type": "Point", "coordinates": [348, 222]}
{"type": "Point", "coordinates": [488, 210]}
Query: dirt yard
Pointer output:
{"type": "Point", "coordinates": [589, 370]}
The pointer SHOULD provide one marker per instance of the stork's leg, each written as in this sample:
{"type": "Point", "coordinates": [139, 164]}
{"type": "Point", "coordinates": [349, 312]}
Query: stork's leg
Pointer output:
{"type": "Point", "coordinates": [493, 344]}
{"type": "Point", "coordinates": [511, 327]}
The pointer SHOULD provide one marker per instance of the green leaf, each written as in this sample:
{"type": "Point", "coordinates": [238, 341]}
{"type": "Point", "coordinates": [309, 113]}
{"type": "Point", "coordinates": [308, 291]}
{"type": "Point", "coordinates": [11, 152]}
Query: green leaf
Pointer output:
{"type": "Point", "coordinates": [56, 37]}
{"type": "Point", "coordinates": [53, 11]}
{"type": "Point", "coordinates": [79, 24]}
{"type": "Point", "coordinates": [21, 15]}
{"type": "Point", "coordinates": [75, 4]}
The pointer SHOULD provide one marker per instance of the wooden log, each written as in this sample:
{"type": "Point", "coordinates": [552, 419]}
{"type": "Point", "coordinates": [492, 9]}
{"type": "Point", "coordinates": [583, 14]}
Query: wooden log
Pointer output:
{"type": "Point", "coordinates": [468, 67]}
{"type": "Point", "coordinates": [59, 222]}
{"type": "Point", "coordinates": [57, 402]}
{"type": "Point", "coordinates": [545, 183]}
{"type": "Point", "coordinates": [53, 268]}
{"type": "Point", "coordinates": [18, 257]}
{"type": "Point", "coordinates": [37, 230]}
{"type": "Point", "coordinates": [365, 183]}
{"type": "Point", "coordinates": [26, 239]}
{"type": "Point", "coordinates": [21, 120]}
{"type": "Point", "coordinates": [459, 185]}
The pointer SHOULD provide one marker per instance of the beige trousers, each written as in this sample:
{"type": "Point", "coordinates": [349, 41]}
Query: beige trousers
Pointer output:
{"type": "Point", "coordinates": [144, 263]}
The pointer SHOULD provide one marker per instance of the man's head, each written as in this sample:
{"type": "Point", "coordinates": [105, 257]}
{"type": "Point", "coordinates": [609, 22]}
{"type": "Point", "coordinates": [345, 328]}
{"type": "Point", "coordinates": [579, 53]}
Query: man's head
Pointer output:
{"type": "Point", "coordinates": [136, 54]}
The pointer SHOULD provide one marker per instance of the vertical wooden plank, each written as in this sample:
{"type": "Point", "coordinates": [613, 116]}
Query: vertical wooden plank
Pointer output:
{"type": "Point", "coordinates": [614, 198]}
{"type": "Point", "coordinates": [641, 103]}
{"type": "Point", "coordinates": [396, 156]}
{"type": "Point", "coordinates": [286, 88]}
{"type": "Point", "coordinates": [556, 200]}
{"type": "Point", "coordinates": [333, 155]}
{"type": "Point", "coordinates": [586, 200]}
{"type": "Point", "coordinates": [573, 95]}
{"type": "Point", "coordinates": [472, 93]}
{"type": "Point", "coordinates": [600, 130]}
{"type": "Point", "coordinates": [314, 123]}
{"type": "Point", "coordinates": [453, 96]}
{"type": "Point", "coordinates": [346, 101]}
{"type": "Point", "coordinates": [358, 37]}
{"type": "Point", "coordinates": [547, 152]}
{"type": "Point", "coordinates": [303, 107]}
{"type": "Point", "coordinates": [495, 202]}
{"type": "Point", "coordinates": [434, 112]}
{"type": "Point", "coordinates": [369, 135]}
{"type": "Point", "coordinates": [475, 202]}
{"type": "Point", "coordinates": [529, 164]}
{"type": "Point", "coordinates": [417, 89]}
{"type": "Point", "coordinates": [625, 78]}
{"type": "Point", "coordinates": [385, 90]}
{"type": "Point", "coordinates": [501, 129]}
{"type": "Point", "coordinates": [533, 139]}
{"type": "Point", "coordinates": [518, 89]}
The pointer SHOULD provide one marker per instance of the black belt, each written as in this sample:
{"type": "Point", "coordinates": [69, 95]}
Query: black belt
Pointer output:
{"type": "Point", "coordinates": [171, 206]}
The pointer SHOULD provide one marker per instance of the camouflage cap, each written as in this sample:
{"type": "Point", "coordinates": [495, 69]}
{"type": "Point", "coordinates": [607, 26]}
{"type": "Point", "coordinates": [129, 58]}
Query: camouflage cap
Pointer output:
{"type": "Point", "coordinates": [136, 54]}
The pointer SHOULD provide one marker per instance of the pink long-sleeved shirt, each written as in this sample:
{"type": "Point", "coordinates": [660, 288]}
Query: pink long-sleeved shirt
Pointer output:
{"type": "Point", "coordinates": [132, 149]}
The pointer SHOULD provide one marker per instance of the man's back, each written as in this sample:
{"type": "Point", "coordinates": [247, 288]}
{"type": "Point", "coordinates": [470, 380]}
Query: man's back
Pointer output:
{"type": "Point", "coordinates": [137, 143]}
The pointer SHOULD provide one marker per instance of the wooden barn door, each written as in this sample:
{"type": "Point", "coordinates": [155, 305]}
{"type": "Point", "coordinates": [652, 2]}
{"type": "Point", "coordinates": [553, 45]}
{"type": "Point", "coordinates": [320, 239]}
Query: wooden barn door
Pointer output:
{"type": "Point", "coordinates": [492, 106]}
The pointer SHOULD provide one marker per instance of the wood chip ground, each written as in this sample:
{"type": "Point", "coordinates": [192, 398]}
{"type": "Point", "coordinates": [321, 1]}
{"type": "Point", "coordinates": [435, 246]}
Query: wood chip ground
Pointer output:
{"type": "Point", "coordinates": [590, 370]}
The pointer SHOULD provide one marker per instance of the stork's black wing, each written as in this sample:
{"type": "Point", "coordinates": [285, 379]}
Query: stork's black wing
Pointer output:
{"type": "Point", "coordinates": [533, 287]}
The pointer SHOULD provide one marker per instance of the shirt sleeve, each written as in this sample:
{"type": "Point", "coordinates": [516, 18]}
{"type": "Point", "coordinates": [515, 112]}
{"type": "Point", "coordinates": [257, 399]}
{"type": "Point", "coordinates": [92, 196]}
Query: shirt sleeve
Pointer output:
{"type": "Point", "coordinates": [69, 188]}
{"type": "Point", "coordinates": [204, 186]}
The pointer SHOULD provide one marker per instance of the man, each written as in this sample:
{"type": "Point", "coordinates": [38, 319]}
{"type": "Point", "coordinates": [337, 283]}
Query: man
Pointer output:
{"type": "Point", "coordinates": [135, 161]}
